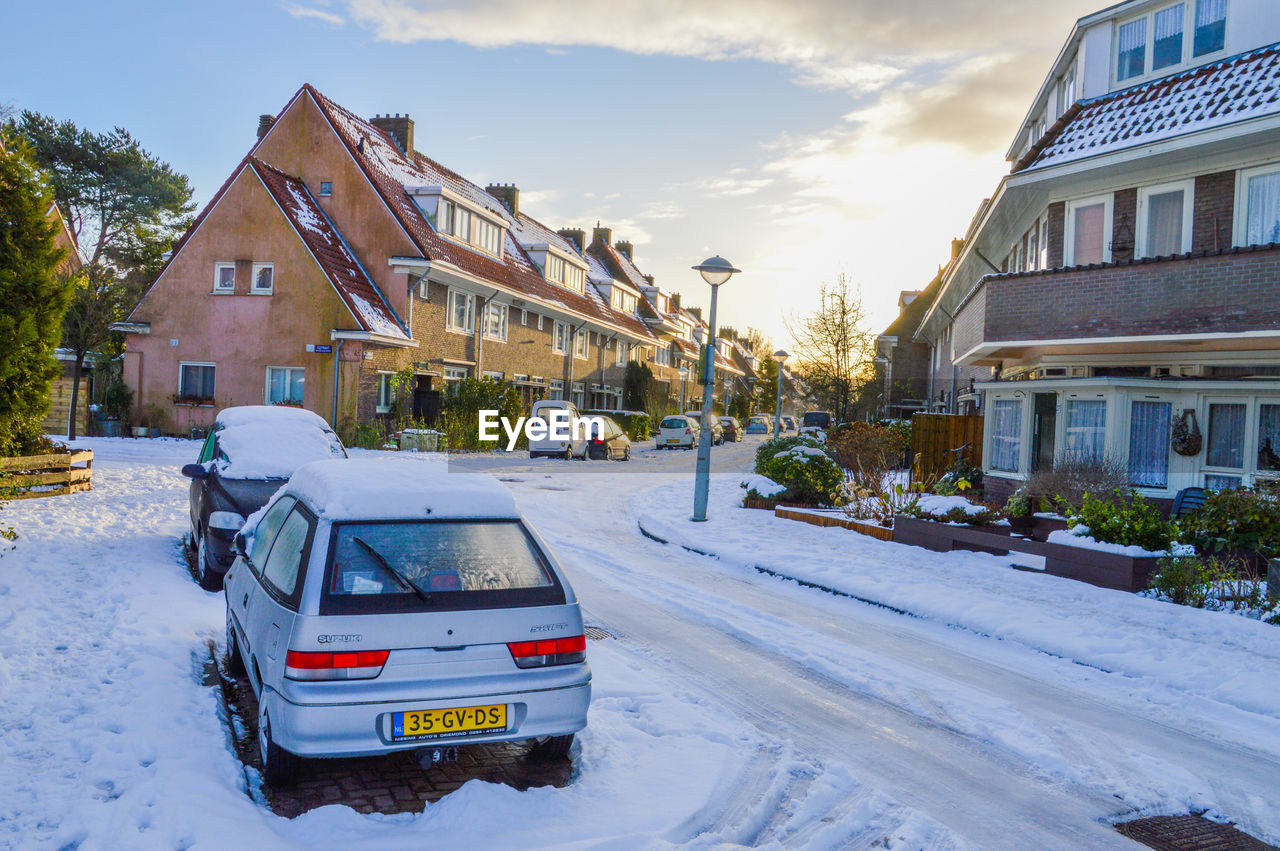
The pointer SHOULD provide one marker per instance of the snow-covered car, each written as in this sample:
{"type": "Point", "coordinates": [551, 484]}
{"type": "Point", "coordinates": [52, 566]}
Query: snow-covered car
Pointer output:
{"type": "Point", "coordinates": [560, 414]}
{"type": "Point", "coordinates": [677, 432]}
{"type": "Point", "coordinates": [759, 425]}
{"type": "Point", "coordinates": [379, 607]}
{"type": "Point", "coordinates": [245, 458]}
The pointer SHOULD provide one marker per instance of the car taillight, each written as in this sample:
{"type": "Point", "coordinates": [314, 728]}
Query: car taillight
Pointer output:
{"type": "Point", "coordinates": [688, 431]}
{"type": "Point", "coordinates": [550, 651]}
{"type": "Point", "coordinates": [343, 665]}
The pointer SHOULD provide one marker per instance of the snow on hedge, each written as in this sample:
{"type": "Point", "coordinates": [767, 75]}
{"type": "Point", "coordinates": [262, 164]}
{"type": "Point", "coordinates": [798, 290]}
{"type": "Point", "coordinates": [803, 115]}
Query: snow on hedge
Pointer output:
{"type": "Point", "coordinates": [1078, 536]}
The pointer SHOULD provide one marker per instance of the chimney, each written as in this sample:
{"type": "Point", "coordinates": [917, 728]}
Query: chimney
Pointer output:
{"type": "Point", "coordinates": [575, 235]}
{"type": "Point", "coordinates": [675, 302]}
{"type": "Point", "coordinates": [626, 249]}
{"type": "Point", "coordinates": [601, 235]}
{"type": "Point", "coordinates": [264, 124]}
{"type": "Point", "coordinates": [649, 279]}
{"type": "Point", "coordinates": [399, 128]}
{"type": "Point", "coordinates": [508, 194]}
{"type": "Point", "coordinates": [696, 311]}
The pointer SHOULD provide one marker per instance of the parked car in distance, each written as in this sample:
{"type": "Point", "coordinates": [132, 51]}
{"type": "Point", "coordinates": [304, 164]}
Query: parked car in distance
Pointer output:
{"type": "Point", "coordinates": [377, 606]}
{"type": "Point", "coordinates": [677, 432]}
{"type": "Point", "coordinates": [612, 444]}
{"type": "Point", "coordinates": [788, 423]}
{"type": "Point", "coordinates": [820, 420]}
{"type": "Point", "coordinates": [759, 425]}
{"type": "Point", "coordinates": [547, 447]}
{"type": "Point", "coordinates": [713, 422]}
{"type": "Point", "coordinates": [732, 429]}
{"type": "Point", "coordinates": [245, 458]}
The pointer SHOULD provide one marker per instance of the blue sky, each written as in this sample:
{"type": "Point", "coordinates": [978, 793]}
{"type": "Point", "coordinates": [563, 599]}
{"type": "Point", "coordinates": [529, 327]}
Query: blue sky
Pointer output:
{"type": "Point", "coordinates": [800, 141]}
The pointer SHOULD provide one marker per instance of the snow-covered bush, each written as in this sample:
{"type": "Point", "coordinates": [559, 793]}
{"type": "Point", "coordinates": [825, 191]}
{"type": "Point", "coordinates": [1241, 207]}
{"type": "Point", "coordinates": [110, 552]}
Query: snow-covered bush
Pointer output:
{"type": "Point", "coordinates": [808, 473]}
{"type": "Point", "coordinates": [951, 509]}
{"type": "Point", "coordinates": [761, 488]}
{"type": "Point", "coordinates": [770, 448]}
{"type": "Point", "coordinates": [1126, 520]}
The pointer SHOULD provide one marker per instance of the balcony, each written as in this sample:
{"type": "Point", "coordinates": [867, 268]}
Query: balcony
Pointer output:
{"type": "Point", "coordinates": [1212, 301]}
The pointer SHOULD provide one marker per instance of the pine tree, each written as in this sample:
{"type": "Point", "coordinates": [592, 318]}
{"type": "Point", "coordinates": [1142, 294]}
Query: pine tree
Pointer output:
{"type": "Point", "coordinates": [34, 295]}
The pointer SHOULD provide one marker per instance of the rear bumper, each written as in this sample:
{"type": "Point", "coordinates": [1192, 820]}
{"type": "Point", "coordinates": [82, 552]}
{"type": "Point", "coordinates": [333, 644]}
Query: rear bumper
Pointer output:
{"type": "Point", "coordinates": [364, 729]}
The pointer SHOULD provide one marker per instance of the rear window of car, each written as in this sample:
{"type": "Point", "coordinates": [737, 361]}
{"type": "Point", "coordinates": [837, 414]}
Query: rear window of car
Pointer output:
{"type": "Point", "coordinates": [435, 566]}
{"type": "Point", "coordinates": [675, 422]}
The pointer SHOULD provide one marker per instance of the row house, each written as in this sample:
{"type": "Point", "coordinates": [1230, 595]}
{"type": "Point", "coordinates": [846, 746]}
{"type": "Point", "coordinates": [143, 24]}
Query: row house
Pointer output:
{"type": "Point", "coordinates": [1125, 275]}
{"type": "Point", "coordinates": [336, 257]}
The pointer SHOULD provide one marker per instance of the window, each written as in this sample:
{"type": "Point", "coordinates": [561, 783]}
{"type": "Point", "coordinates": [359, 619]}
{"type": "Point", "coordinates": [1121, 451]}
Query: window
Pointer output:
{"type": "Point", "coordinates": [662, 356]}
{"type": "Point", "coordinates": [1085, 431]}
{"type": "Point", "coordinates": [462, 312]}
{"type": "Point", "coordinates": [1258, 199]}
{"type": "Point", "coordinates": [495, 376]}
{"type": "Point", "coordinates": [579, 395]}
{"type": "Point", "coordinates": [224, 277]}
{"type": "Point", "coordinates": [1166, 44]}
{"type": "Point", "coordinates": [621, 355]}
{"type": "Point", "coordinates": [1033, 247]}
{"type": "Point", "coordinates": [1221, 483]}
{"type": "Point", "coordinates": [452, 375]}
{"type": "Point", "coordinates": [555, 268]}
{"type": "Point", "coordinates": [1044, 244]}
{"type": "Point", "coordinates": [462, 224]}
{"type": "Point", "coordinates": [1067, 90]}
{"type": "Point", "coordinates": [386, 393]}
{"type": "Point", "coordinates": [326, 188]}
{"type": "Point", "coordinates": [560, 338]}
{"type": "Point", "coordinates": [1132, 56]}
{"type": "Point", "coordinates": [285, 385]}
{"type": "Point", "coordinates": [1006, 434]}
{"type": "Point", "coordinates": [264, 534]}
{"type": "Point", "coordinates": [445, 217]}
{"type": "Point", "coordinates": [1164, 220]}
{"type": "Point", "coordinates": [1211, 26]}
{"type": "Point", "coordinates": [1226, 436]}
{"type": "Point", "coordinates": [1269, 438]}
{"type": "Point", "coordinates": [281, 569]}
{"type": "Point", "coordinates": [580, 344]}
{"type": "Point", "coordinates": [1149, 428]}
{"type": "Point", "coordinates": [1088, 231]}
{"type": "Point", "coordinates": [195, 382]}
{"type": "Point", "coordinates": [488, 236]}
{"type": "Point", "coordinates": [557, 391]}
{"type": "Point", "coordinates": [574, 278]}
{"type": "Point", "coordinates": [263, 278]}
{"type": "Point", "coordinates": [495, 323]}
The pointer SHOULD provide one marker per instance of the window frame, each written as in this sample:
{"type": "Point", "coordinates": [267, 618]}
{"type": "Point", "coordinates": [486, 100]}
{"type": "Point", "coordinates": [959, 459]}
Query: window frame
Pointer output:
{"type": "Point", "coordinates": [1069, 226]}
{"type": "Point", "coordinates": [326, 188]}
{"type": "Point", "coordinates": [1017, 439]}
{"type": "Point", "coordinates": [1188, 57]}
{"type": "Point", "coordinates": [1243, 176]}
{"type": "Point", "coordinates": [561, 346]}
{"type": "Point", "coordinates": [505, 312]}
{"type": "Point", "coordinates": [186, 363]}
{"type": "Point", "coordinates": [582, 344]}
{"type": "Point", "coordinates": [1140, 234]}
{"type": "Point", "coordinates": [386, 397]}
{"type": "Point", "coordinates": [266, 396]}
{"type": "Point", "coordinates": [471, 313]}
{"type": "Point", "coordinates": [291, 601]}
{"type": "Point", "coordinates": [218, 266]}
{"type": "Point", "coordinates": [257, 267]}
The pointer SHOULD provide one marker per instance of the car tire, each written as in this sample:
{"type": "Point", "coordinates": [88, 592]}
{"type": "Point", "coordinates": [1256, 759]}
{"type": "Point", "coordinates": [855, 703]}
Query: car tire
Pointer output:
{"type": "Point", "coordinates": [279, 767]}
{"type": "Point", "coordinates": [552, 748]}
{"type": "Point", "coordinates": [235, 662]}
{"type": "Point", "coordinates": [208, 578]}
{"type": "Point", "coordinates": [626, 455]}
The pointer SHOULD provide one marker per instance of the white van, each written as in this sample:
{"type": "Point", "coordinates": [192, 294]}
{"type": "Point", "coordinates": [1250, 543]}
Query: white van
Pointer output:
{"type": "Point", "coordinates": [575, 447]}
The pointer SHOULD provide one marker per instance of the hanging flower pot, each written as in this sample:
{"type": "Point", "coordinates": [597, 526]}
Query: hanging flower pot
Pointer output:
{"type": "Point", "coordinates": [1186, 439]}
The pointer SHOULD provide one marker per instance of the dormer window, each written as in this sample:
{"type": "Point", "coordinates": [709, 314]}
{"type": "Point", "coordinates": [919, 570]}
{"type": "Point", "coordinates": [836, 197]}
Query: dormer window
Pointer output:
{"type": "Point", "coordinates": [1157, 42]}
{"type": "Point", "coordinates": [564, 273]}
{"type": "Point", "coordinates": [623, 301]}
{"type": "Point", "coordinates": [465, 226]}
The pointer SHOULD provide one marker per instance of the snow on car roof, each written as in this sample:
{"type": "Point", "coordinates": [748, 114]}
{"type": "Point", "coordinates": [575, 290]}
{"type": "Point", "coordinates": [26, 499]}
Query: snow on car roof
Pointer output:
{"type": "Point", "coordinates": [272, 414]}
{"type": "Point", "coordinates": [394, 489]}
{"type": "Point", "coordinates": [266, 449]}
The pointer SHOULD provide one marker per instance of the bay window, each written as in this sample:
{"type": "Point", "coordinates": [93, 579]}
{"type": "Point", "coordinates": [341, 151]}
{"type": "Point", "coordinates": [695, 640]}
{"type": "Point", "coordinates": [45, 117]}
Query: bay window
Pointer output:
{"type": "Point", "coordinates": [1006, 434]}
{"type": "Point", "coordinates": [1085, 429]}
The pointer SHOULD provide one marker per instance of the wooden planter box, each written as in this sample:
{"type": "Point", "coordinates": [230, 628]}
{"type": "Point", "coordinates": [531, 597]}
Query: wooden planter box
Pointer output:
{"type": "Point", "coordinates": [1106, 570]}
{"type": "Point", "coordinates": [816, 519]}
{"type": "Point", "coordinates": [31, 476]}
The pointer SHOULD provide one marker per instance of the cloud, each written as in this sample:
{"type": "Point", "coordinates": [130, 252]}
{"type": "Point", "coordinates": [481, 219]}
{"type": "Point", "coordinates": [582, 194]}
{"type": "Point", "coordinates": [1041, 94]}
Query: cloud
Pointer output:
{"type": "Point", "coordinates": [316, 14]}
{"type": "Point", "coordinates": [662, 210]}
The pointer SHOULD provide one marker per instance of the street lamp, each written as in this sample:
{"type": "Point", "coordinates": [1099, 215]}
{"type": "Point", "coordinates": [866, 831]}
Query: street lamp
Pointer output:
{"type": "Point", "coordinates": [684, 375]}
{"type": "Point", "coordinates": [779, 357]}
{"type": "Point", "coordinates": [715, 271]}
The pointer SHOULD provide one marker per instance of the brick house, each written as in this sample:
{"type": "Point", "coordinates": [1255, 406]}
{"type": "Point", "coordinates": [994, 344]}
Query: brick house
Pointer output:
{"type": "Point", "coordinates": [1125, 274]}
{"type": "Point", "coordinates": [336, 256]}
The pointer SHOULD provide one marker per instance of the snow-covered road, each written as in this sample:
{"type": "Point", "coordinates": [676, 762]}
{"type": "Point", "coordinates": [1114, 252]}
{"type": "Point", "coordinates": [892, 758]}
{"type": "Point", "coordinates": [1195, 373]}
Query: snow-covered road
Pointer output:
{"type": "Point", "coordinates": [1006, 710]}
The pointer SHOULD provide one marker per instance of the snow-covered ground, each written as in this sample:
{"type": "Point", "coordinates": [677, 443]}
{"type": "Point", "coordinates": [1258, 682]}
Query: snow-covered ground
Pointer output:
{"type": "Point", "coordinates": [986, 708]}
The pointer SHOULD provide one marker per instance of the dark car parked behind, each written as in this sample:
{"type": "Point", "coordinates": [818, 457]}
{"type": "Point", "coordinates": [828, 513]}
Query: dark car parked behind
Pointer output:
{"type": "Point", "coordinates": [611, 445]}
{"type": "Point", "coordinates": [732, 429]}
{"type": "Point", "coordinates": [249, 454]}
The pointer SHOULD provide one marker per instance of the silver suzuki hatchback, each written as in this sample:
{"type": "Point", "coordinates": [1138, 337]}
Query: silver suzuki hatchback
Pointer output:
{"type": "Point", "coordinates": [379, 606]}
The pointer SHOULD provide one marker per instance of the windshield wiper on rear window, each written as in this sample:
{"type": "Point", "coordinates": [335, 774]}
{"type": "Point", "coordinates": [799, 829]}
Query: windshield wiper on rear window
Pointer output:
{"type": "Point", "coordinates": [386, 565]}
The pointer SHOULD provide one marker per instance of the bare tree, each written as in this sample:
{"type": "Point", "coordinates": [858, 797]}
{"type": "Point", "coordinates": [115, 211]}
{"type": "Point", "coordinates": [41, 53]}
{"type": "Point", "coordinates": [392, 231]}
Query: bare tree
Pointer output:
{"type": "Point", "coordinates": [834, 347]}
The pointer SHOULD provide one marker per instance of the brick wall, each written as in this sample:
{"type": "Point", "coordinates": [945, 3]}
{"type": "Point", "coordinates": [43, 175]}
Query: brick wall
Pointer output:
{"type": "Point", "coordinates": [1124, 219]}
{"type": "Point", "coordinates": [1213, 213]}
{"type": "Point", "coordinates": [1057, 233]}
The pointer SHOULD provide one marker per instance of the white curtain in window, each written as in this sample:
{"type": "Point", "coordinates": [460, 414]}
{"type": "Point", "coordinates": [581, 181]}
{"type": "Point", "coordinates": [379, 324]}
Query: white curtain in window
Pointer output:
{"type": "Point", "coordinates": [1226, 436]}
{"type": "Point", "coordinates": [1086, 429]}
{"type": "Point", "coordinates": [1164, 223]}
{"type": "Point", "coordinates": [1006, 434]}
{"type": "Point", "coordinates": [1269, 437]}
{"type": "Point", "coordinates": [1087, 237]}
{"type": "Point", "coordinates": [1149, 428]}
{"type": "Point", "coordinates": [1167, 47]}
{"type": "Point", "coordinates": [1131, 60]}
{"type": "Point", "coordinates": [1263, 225]}
{"type": "Point", "coordinates": [1210, 11]}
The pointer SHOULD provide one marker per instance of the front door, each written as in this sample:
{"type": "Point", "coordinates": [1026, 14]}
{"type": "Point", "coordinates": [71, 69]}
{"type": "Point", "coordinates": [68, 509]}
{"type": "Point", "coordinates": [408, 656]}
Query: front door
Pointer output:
{"type": "Point", "coordinates": [426, 401]}
{"type": "Point", "coordinates": [1045, 429]}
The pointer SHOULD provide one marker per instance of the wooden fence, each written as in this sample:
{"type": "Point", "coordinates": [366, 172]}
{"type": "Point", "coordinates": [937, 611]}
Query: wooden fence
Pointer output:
{"type": "Point", "coordinates": [30, 476]}
{"type": "Point", "coordinates": [937, 440]}
{"type": "Point", "coordinates": [55, 422]}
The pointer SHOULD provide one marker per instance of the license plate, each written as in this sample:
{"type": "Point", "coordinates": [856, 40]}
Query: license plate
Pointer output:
{"type": "Point", "coordinates": [673, 440]}
{"type": "Point", "coordinates": [435, 723]}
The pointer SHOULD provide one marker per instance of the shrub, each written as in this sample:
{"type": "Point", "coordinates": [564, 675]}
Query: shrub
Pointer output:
{"type": "Point", "coordinates": [460, 419]}
{"type": "Point", "coordinates": [809, 475]}
{"type": "Point", "coordinates": [1017, 505]}
{"type": "Point", "coordinates": [636, 424]}
{"type": "Point", "coordinates": [901, 431]}
{"type": "Point", "coordinates": [1125, 520]}
{"type": "Point", "coordinates": [1070, 479]}
{"type": "Point", "coordinates": [770, 448]}
{"type": "Point", "coordinates": [959, 477]}
{"type": "Point", "coordinates": [1243, 519]}
{"type": "Point", "coordinates": [868, 453]}
{"type": "Point", "coordinates": [1202, 582]}
{"type": "Point", "coordinates": [985, 517]}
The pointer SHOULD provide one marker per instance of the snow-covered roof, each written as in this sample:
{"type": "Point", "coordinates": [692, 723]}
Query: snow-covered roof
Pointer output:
{"type": "Point", "coordinates": [268, 442]}
{"type": "Point", "coordinates": [390, 489]}
{"type": "Point", "coordinates": [1235, 89]}
{"type": "Point", "coordinates": [340, 265]}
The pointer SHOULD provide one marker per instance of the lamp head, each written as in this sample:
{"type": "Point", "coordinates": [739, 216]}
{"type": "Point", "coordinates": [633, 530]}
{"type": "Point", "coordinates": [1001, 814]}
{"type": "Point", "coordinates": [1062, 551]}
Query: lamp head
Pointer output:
{"type": "Point", "coordinates": [716, 270]}
{"type": "Point", "coordinates": [780, 356]}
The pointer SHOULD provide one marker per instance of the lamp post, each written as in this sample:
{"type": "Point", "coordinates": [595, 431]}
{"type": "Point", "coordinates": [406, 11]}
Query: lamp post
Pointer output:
{"type": "Point", "coordinates": [779, 357]}
{"type": "Point", "coordinates": [715, 271]}
{"type": "Point", "coordinates": [684, 376]}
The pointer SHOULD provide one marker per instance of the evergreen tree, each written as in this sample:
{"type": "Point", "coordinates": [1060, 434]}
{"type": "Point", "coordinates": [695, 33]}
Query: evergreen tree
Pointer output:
{"type": "Point", "coordinates": [33, 299]}
{"type": "Point", "coordinates": [125, 208]}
